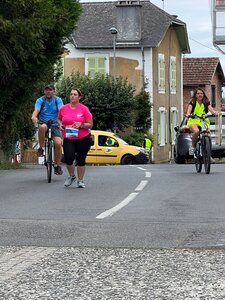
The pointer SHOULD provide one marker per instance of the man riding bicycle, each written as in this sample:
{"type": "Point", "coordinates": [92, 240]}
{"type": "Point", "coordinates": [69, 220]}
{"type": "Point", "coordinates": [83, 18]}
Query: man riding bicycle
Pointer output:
{"type": "Point", "coordinates": [46, 108]}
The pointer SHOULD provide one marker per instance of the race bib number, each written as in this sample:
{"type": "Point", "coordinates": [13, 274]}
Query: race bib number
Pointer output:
{"type": "Point", "coordinates": [71, 132]}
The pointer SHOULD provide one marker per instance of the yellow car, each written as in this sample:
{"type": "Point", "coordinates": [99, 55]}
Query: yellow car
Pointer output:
{"type": "Point", "coordinates": [108, 148]}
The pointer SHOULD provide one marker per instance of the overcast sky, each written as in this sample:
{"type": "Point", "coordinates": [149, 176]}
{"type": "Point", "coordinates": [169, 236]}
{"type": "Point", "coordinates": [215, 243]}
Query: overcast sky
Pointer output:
{"type": "Point", "coordinates": [197, 16]}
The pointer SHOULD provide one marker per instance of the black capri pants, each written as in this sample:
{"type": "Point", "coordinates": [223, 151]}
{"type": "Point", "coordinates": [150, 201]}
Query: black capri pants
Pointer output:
{"type": "Point", "coordinates": [76, 149]}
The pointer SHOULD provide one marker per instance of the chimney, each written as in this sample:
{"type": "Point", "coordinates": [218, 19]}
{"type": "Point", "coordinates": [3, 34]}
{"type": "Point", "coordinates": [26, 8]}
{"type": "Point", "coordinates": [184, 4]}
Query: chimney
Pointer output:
{"type": "Point", "coordinates": [128, 13]}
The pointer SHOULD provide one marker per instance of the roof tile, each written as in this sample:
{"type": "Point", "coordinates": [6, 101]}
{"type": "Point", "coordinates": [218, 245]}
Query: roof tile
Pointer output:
{"type": "Point", "coordinates": [198, 71]}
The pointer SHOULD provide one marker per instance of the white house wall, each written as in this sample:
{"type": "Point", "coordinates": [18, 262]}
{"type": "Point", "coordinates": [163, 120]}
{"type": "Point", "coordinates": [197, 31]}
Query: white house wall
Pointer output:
{"type": "Point", "coordinates": [133, 54]}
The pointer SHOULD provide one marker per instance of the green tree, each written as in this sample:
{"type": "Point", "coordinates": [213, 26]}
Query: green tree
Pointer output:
{"type": "Point", "coordinates": [143, 111]}
{"type": "Point", "coordinates": [110, 101]}
{"type": "Point", "coordinates": [137, 138]}
{"type": "Point", "coordinates": [32, 37]}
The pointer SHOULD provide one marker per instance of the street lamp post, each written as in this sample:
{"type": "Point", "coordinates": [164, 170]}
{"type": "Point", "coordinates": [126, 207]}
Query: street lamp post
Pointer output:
{"type": "Point", "coordinates": [114, 31]}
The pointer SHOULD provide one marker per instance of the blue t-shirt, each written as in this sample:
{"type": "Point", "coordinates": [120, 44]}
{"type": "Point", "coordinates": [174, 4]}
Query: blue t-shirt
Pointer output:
{"type": "Point", "coordinates": [49, 110]}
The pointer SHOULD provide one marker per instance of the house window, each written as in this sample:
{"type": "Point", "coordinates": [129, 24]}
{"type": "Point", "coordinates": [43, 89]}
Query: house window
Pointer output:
{"type": "Point", "coordinates": [213, 96]}
{"type": "Point", "coordinates": [162, 126]}
{"type": "Point", "coordinates": [95, 63]}
{"type": "Point", "coordinates": [173, 75]}
{"type": "Point", "coordinates": [162, 73]}
{"type": "Point", "coordinates": [173, 122]}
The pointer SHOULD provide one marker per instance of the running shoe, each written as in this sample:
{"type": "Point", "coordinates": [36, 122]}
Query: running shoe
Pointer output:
{"type": "Point", "coordinates": [80, 184]}
{"type": "Point", "coordinates": [69, 180]}
{"type": "Point", "coordinates": [58, 170]}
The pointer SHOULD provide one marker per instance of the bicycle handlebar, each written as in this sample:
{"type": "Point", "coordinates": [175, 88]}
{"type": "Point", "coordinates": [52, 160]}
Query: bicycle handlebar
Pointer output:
{"type": "Point", "coordinates": [203, 117]}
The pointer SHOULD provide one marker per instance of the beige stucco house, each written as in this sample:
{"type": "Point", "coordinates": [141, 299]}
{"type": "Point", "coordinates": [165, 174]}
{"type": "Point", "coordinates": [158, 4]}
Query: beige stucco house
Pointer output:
{"type": "Point", "coordinates": [148, 48]}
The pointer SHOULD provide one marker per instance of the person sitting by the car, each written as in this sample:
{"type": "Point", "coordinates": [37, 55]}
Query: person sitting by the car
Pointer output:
{"type": "Point", "coordinates": [198, 106]}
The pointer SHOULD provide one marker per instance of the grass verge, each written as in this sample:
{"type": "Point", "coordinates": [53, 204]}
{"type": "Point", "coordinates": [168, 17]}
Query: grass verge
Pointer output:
{"type": "Point", "coordinates": [4, 165]}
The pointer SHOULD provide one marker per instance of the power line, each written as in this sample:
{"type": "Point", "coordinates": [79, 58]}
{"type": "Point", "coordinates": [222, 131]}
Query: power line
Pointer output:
{"type": "Point", "coordinates": [213, 49]}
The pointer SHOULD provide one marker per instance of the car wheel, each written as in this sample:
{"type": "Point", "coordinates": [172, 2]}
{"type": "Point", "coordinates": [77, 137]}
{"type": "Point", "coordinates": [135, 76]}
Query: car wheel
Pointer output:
{"type": "Point", "coordinates": [178, 159]}
{"type": "Point", "coordinates": [128, 160]}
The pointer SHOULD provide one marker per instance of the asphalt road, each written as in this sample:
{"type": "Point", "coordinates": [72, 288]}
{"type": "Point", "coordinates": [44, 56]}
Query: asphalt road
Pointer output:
{"type": "Point", "coordinates": [159, 206]}
{"type": "Point", "coordinates": [134, 232]}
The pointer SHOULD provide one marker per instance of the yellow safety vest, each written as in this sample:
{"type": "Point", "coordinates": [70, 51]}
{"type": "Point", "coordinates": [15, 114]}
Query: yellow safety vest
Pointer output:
{"type": "Point", "coordinates": [198, 111]}
{"type": "Point", "coordinates": [148, 144]}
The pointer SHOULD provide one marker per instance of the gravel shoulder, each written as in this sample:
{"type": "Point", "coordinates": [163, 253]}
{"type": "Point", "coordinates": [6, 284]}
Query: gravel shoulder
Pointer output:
{"type": "Point", "coordinates": [104, 273]}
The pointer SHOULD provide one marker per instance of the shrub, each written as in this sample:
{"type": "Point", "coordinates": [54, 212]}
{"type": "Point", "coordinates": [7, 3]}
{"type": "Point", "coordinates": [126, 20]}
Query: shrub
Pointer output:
{"type": "Point", "coordinates": [136, 138]}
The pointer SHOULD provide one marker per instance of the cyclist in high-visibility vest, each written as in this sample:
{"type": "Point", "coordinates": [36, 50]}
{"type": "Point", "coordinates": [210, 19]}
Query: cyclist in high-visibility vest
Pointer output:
{"type": "Point", "coordinates": [199, 105]}
{"type": "Point", "coordinates": [147, 144]}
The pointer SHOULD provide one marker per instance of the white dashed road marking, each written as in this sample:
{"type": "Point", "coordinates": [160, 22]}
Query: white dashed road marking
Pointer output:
{"type": "Point", "coordinates": [112, 211]}
{"type": "Point", "coordinates": [127, 200]}
{"type": "Point", "coordinates": [141, 186]}
{"type": "Point", "coordinates": [148, 174]}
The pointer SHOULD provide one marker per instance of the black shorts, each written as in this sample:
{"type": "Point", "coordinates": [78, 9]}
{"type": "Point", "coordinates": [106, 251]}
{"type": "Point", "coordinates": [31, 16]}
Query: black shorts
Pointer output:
{"type": "Point", "coordinates": [76, 149]}
{"type": "Point", "coordinates": [56, 132]}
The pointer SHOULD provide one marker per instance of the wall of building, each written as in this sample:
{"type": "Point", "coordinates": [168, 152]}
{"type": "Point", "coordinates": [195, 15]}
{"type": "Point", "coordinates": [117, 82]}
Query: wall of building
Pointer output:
{"type": "Point", "coordinates": [73, 65]}
{"type": "Point", "coordinates": [169, 47]}
{"type": "Point", "coordinates": [129, 63]}
{"type": "Point", "coordinates": [217, 83]}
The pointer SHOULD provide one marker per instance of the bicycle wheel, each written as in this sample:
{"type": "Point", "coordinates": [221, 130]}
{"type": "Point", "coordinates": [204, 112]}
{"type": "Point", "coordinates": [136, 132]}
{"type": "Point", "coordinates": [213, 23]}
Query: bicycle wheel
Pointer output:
{"type": "Point", "coordinates": [198, 158]}
{"type": "Point", "coordinates": [206, 152]}
{"type": "Point", "coordinates": [49, 161]}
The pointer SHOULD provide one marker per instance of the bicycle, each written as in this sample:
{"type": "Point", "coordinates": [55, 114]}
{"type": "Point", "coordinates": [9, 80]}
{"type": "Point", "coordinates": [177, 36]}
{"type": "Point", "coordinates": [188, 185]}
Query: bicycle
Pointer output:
{"type": "Point", "coordinates": [202, 154]}
{"type": "Point", "coordinates": [49, 150]}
